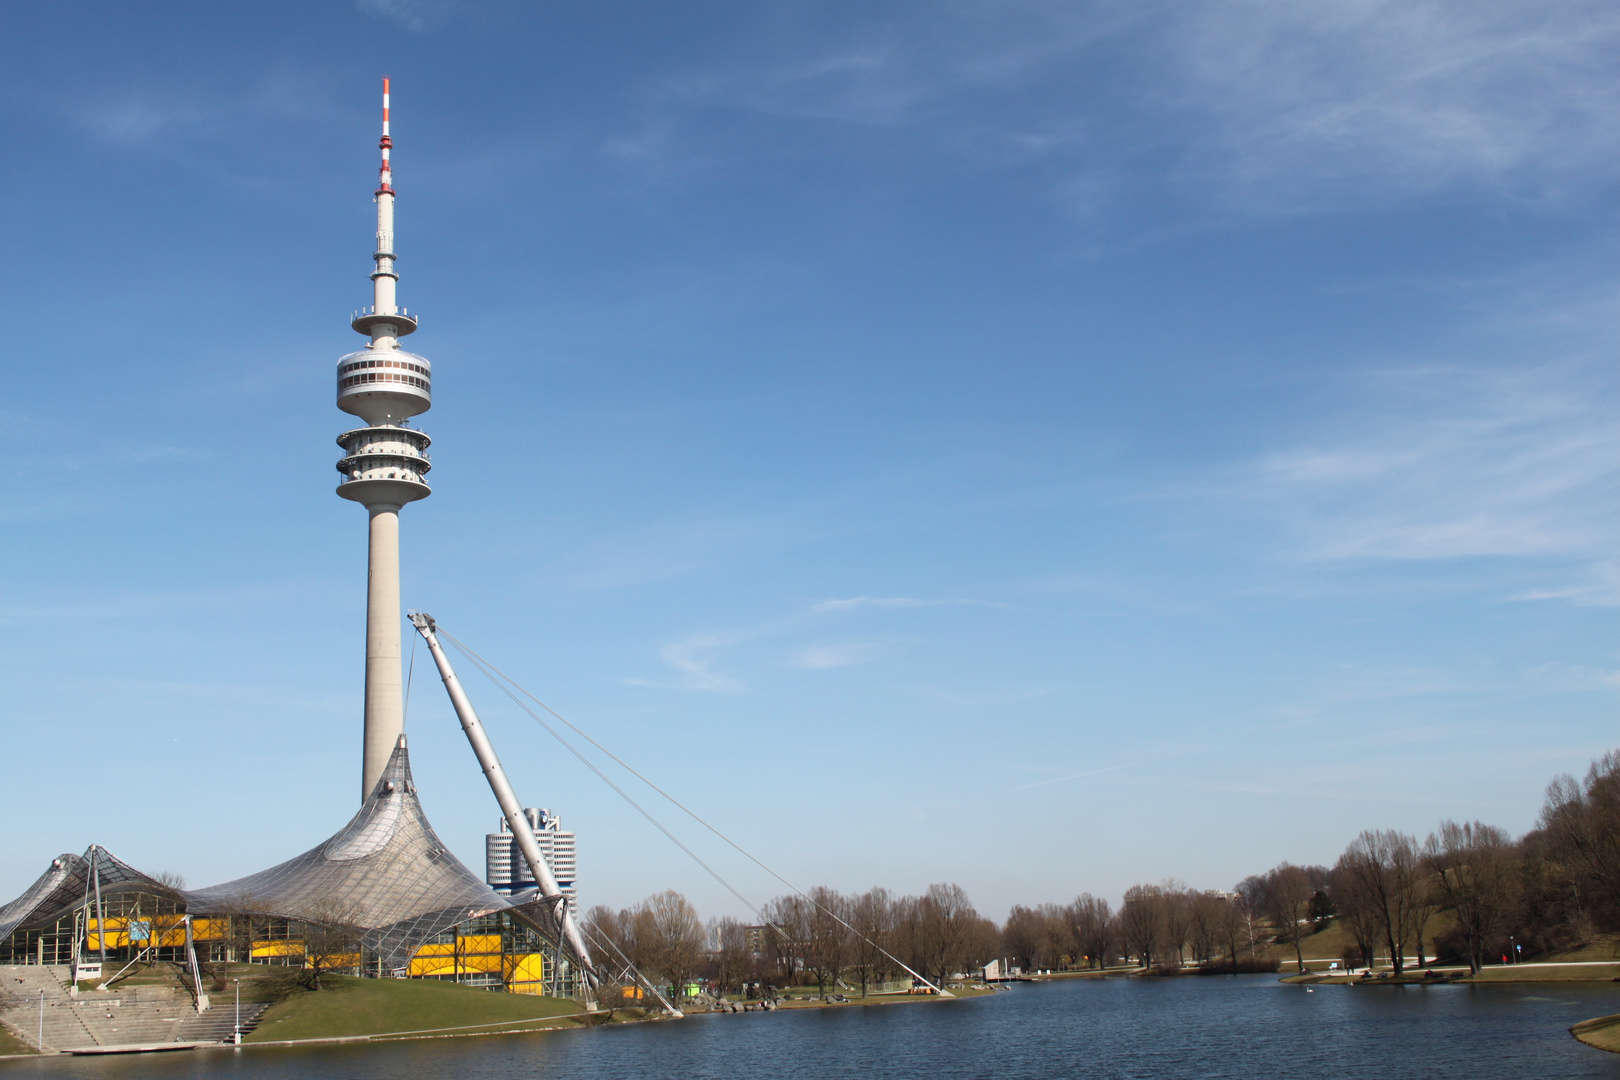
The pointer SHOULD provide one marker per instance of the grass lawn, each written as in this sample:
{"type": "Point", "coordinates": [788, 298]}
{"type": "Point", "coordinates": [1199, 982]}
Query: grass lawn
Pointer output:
{"type": "Point", "coordinates": [1603, 947]}
{"type": "Point", "coordinates": [348, 1006]}
{"type": "Point", "coordinates": [1573, 973]}
{"type": "Point", "coordinates": [10, 1044]}
{"type": "Point", "coordinates": [1603, 1033]}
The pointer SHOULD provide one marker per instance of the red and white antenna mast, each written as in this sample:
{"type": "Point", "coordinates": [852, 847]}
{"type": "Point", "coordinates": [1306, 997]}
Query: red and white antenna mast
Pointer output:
{"type": "Point", "coordinates": [385, 278]}
{"type": "Point", "coordinates": [386, 144]}
{"type": "Point", "coordinates": [384, 467]}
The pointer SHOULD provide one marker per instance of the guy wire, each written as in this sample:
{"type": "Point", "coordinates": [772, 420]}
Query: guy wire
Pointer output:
{"type": "Point", "coordinates": [486, 667]}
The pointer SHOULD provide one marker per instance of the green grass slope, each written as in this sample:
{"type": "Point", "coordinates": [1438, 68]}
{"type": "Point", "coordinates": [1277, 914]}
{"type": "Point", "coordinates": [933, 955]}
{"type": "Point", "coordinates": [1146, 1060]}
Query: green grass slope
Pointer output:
{"type": "Point", "coordinates": [10, 1044]}
{"type": "Point", "coordinates": [389, 1006]}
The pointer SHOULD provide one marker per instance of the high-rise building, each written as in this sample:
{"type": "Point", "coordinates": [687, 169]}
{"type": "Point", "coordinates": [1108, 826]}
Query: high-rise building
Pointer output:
{"type": "Point", "coordinates": [384, 466]}
{"type": "Point", "coordinates": [507, 873]}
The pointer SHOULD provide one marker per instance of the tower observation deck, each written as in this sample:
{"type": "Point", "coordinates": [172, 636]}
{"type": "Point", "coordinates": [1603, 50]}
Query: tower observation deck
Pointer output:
{"type": "Point", "coordinates": [384, 465]}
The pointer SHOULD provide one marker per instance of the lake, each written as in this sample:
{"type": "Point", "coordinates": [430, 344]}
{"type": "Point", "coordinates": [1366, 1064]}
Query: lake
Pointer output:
{"type": "Point", "coordinates": [1237, 1027]}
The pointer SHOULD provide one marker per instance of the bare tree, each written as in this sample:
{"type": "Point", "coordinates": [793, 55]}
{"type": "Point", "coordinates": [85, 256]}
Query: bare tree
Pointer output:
{"type": "Point", "coordinates": [1385, 875]}
{"type": "Point", "coordinates": [983, 942]}
{"type": "Point", "coordinates": [331, 933]}
{"type": "Point", "coordinates": [1024, 936]}
{"type": "Point", "coordinates": [949, 927]}
{"type": "Point", "coordinates": [1091, 921]}
{"type": "Point", "coordinates": [1475, 867]}
{"type": "Point", "coordinates": [1290, 894]}
{"type": "Point", "coordinates": [827, 946]}
{"type": "Point", "coordinates": [1234, 929]}
{"type": "Point", "coordinates": [1141, 920]}
{"type": "Point", "coordinates": [1061, 947]}
{"type": "Point", "coordinates": [1427, 900]}
{"type": "Point", "coordinates": [614, 992]}
{"type": "Point", "coordinates": [1204, 925]}
{"type": "Point", "coordinates": [243, 925]}
{"type": "Point", "coordinates": [728, 940]}
{"type": "Point", "coordinates": [617, 927]}
{"type": "Point", "coordinates": [1177, 918]}
{"type": "Point", "coordinates": [907, 938]}
{"type": "Point", "coordinates": [669, 938]}
{"type": "Point", "coordinates": [872, 916]}
{"type": "Point", "coordinates": [1582, 828]}
{"type": "Point", "coordinates": [790, 916]}
{"type": "Point", "coordinates": [1360, 911]}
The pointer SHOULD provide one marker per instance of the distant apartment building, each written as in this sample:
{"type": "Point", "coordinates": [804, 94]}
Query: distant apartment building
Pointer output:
{"type": "Point", "coordinates": [507, 873]}
{"type": "Point", "coordinates": [757, 940]}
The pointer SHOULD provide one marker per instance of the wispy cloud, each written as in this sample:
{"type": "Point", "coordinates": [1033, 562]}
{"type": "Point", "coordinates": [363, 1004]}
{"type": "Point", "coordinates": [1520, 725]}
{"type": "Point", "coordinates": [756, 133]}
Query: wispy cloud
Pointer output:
{"type": "Point", "coordinates": [693, 660]}
{"type": "Point", "coordinates": [854, 602]}
{"type": "Point", "coordinates": [1446, 463]}
{"type": "Point", "coordinates": [1079, 776]}
{"type": "Point", "coordinates": [1237, 105]}
{"type": "Point", "coordinates": [695, 657]}
{"type": "Point", "coordinates": [1392, 98]}
{"type": "Point", "coordinates": [821, 657]}
{"type": "Point", "coordinates": [417, 16]}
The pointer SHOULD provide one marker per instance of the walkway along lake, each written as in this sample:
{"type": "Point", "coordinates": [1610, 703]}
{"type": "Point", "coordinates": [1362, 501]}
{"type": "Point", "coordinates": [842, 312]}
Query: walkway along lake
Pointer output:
{"type": "Point", "coordinates": [1224, 1027]}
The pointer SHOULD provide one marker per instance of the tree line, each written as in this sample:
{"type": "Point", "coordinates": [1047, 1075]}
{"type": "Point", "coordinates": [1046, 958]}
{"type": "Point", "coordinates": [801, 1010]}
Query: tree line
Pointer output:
{"type": "Point", "coordinates": [1549, 890]}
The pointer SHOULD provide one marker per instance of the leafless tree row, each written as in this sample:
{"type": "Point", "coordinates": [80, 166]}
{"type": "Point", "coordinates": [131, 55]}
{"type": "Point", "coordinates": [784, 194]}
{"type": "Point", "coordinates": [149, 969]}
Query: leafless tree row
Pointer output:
{"type": "Point", "coordinates": [1552, 889]}
{"type": "Point", "coordinates": [826, 937]}
{"type": "Point", "coordinates": [1548, 890]}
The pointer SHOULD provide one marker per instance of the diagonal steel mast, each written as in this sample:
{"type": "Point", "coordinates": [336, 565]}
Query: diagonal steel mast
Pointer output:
{"type": "Point", "coordinates": [508, 800]}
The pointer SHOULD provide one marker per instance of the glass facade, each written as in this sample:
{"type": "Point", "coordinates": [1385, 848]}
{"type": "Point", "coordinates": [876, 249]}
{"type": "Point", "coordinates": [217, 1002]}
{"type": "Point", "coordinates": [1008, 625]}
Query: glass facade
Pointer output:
{"type": "Point", "coordinates": [382, 898]}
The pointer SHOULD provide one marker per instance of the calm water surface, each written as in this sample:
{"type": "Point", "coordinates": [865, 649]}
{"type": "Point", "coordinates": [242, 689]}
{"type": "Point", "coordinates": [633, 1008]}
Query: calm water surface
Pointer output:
{"type": "Point", "coordinates": [1244, 1027]}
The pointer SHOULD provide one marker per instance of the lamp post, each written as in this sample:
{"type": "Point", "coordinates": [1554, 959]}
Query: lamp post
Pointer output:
{"type": "Point", "coordinates": [42, 1019]}
{"type": "Point", "coordinates": [236, 1032]}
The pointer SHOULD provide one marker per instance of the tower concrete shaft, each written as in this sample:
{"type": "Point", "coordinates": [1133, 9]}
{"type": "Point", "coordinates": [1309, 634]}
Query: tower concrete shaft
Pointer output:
{"type": "Point", "coordinates": [384, 466]}
{"type": "Point", "coordinates": [385, 704]}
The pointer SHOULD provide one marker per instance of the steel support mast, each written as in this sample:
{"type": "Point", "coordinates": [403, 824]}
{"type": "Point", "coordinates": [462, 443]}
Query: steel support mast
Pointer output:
{"type": "Point", "coordinates": [505, 796]}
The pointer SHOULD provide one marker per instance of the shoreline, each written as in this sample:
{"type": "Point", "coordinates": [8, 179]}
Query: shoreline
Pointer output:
{"type": "Point", "coordinates": [580, 1021]}
{"type": "Point", "coordinates": [1600, 1033]}
{"type": "Point", "coordinates": [1575, 971]}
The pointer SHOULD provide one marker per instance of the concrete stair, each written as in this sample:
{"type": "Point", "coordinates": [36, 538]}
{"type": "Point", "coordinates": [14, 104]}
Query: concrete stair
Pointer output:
{"type": "Point", "coordinates": [21, 988]}
{"type": "Point", "coordinates": [217, 1024]}
{"type": "Point", "coordinates": [143, 1014]}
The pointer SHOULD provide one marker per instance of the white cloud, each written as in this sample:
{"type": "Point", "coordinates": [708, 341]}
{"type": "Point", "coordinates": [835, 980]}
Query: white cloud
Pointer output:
{"type": "Point", "coordinates": [1451, 463]}
{"type": "Point", "coordinates": [695, 656]}
{"type": "Point", "coordinates": [1246, 105]}
{"type": "Point", "coordinates": [836, 654]}
{"type": "Point", "coordinates": [823, 607]}
{"type": "Point", "coordinates": [417, 16]}
{"type": "Point", "coordinates": [692, 657]}
{"type": "Point", "coordinates": [1396, 97]}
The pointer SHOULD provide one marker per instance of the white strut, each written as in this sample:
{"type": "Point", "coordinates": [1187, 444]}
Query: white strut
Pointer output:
{"type": "Point", "coordinates": [504, 795]}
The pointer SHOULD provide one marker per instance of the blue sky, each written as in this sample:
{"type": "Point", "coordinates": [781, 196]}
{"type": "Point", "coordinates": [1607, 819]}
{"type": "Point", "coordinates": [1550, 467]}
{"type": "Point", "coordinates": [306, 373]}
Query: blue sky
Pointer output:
{"type": "Point", "coordinates": [1041, 446]}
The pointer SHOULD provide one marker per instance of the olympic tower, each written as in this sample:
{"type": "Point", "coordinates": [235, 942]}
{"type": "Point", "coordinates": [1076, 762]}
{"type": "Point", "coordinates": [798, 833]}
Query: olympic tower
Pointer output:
{"type": "Point", "coordinates": [384, 466]}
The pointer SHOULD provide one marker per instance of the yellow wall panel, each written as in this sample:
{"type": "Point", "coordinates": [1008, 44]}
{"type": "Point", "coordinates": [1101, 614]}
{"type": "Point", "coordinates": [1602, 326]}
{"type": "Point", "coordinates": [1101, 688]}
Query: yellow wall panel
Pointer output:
{"type": "Point", "coordinates": [523, 967]}
{"type": "Point", "coordinates": [479, 943]}
{"type": "Point", "coordinates": [290, 947]}
{"type": "Point", "coordinates": [339, 960]}
{"type": "Point", "coordinates": [422, 966]}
